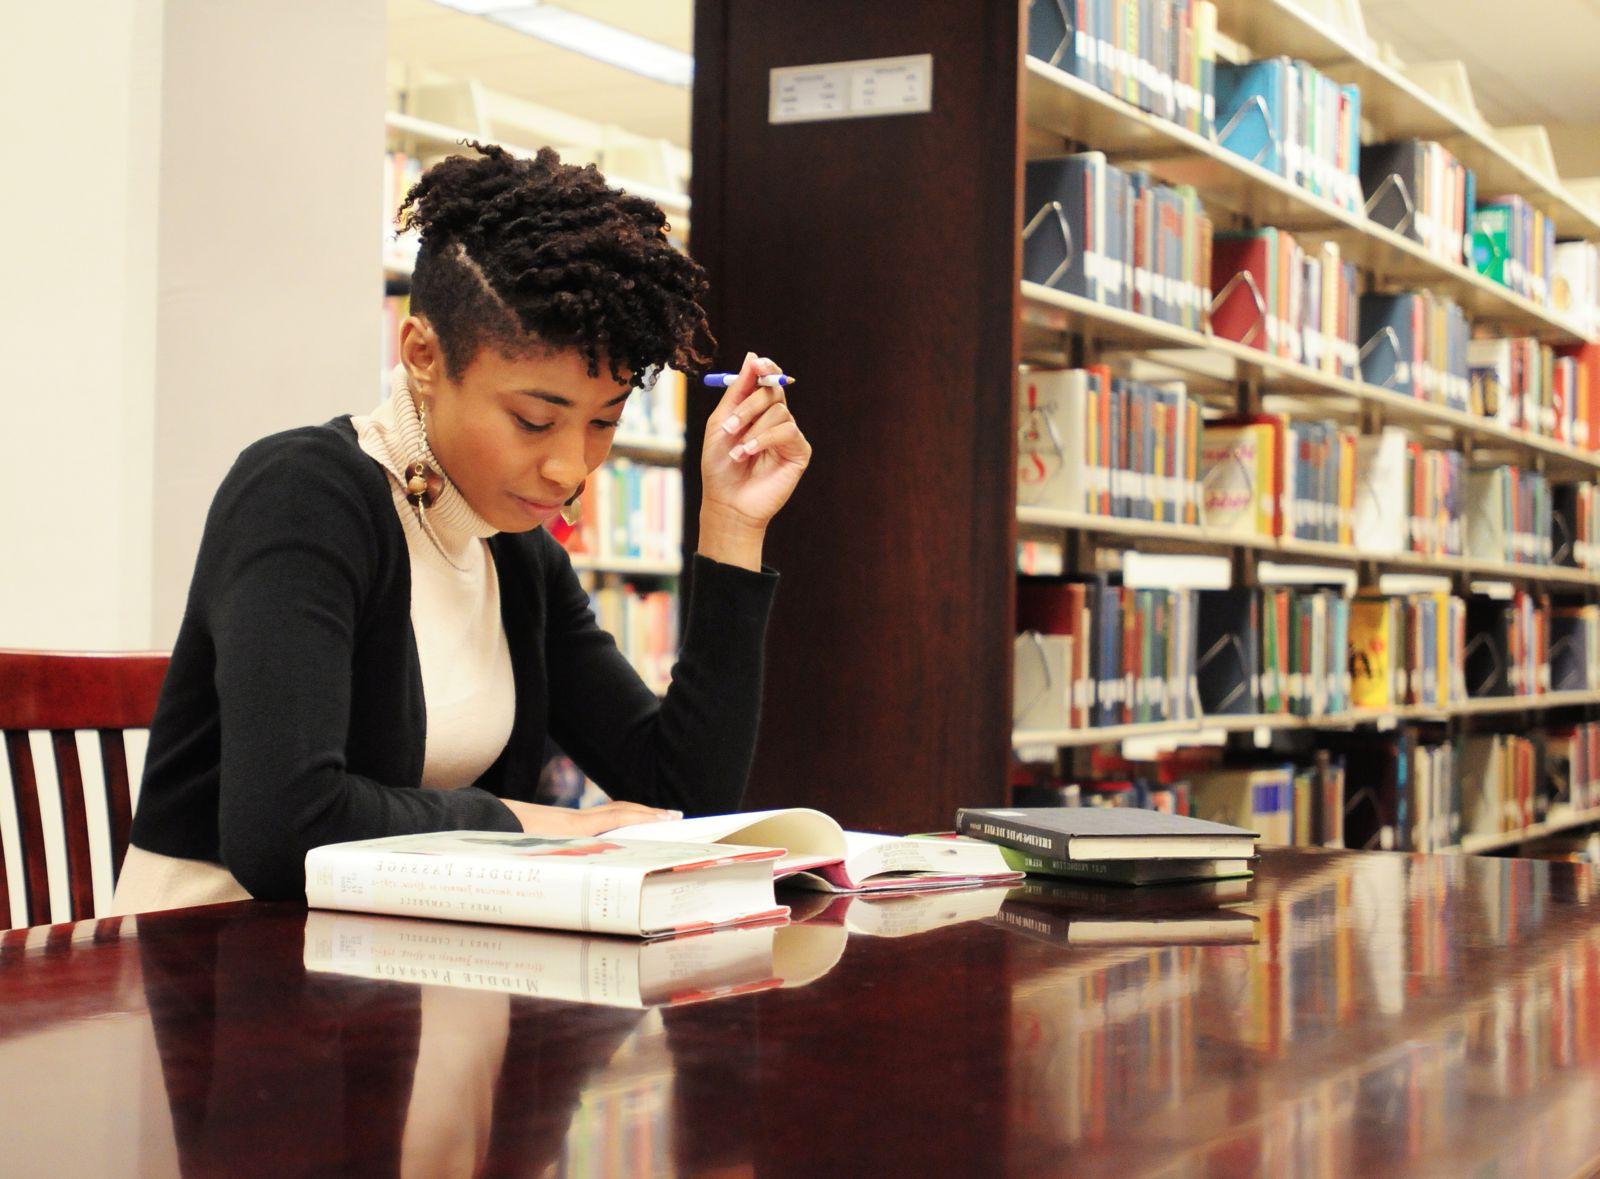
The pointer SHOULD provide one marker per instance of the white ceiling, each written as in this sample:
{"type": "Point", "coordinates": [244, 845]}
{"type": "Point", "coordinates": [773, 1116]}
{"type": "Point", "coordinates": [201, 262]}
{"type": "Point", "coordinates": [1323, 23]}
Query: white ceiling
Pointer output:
{"type": "Point", "coordinates": [1530, 61]}
{"type": "Point", "coordinates": [425, 34]}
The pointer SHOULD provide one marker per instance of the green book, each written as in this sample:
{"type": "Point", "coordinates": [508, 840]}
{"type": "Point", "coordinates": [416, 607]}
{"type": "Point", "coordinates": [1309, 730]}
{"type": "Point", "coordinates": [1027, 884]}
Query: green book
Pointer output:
{"type": "Point", "coordinates": [1126, 871]}
{"type": "Point", "coordinates": [1491, 241]}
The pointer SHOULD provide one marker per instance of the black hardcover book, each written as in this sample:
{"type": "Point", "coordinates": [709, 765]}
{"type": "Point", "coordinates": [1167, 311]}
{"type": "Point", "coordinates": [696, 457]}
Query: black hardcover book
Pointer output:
{"type": "Point", "coordinates": [1227, 651]}
{"type": "Point", "coordinates": [1564, 524]}
{"type": "Point", "coordinates": [1569, 664]}
{"type": "Point", "coordinates": [1053, 224]}
{"type": "Point", "coordinates": [1488, 651]}
{"type": "Point", "coordinates": [1393, 172]}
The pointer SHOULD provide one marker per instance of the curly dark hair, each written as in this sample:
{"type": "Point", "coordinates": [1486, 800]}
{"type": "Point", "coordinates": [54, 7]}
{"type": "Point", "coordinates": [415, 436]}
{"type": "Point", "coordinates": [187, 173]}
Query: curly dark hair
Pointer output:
{"type": "Point", "coordinates": [527, 254]}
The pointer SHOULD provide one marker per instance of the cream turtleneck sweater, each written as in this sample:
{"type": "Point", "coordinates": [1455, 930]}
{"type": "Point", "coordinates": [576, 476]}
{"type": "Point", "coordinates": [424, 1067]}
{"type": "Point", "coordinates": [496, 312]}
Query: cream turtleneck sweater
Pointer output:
{"type": "Point", "coordinates": [461, 644]}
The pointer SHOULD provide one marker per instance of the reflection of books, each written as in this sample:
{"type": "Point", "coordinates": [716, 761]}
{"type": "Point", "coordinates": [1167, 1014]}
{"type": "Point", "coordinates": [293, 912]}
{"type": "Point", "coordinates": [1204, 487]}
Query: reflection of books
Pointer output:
{"type": "Point", "coordinates": [1127, 871]}
{"type": "Point", "coordinates": [575, 968]}
{"type": "Point", "coordinates": [1066, 924]}
{"type": "Point", "coordinates": [905, 913]}
{"type": "Point", "coordinates": [592, 885]}
{"type": "Point", "coordinates": [1200, 896]}
{"type": "Point", "coordinates": [821, 855]}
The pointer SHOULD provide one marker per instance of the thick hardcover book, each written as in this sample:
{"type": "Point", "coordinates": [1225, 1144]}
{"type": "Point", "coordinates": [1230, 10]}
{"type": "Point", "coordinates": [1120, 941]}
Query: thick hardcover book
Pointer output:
{"type": "Point", "coordinates": [819, 854]}
{"type": "Point", "coordinates": [1129, 872]}
{"type": "Point", "coordinates": [1245, 127]}
{"type": "Point", "coordinates": [1097, 833]}
{"type": "Point", "coordinates": [570, 967]}
{"type": "Point", "coordinates": [1488, 650]}
{"type": "Point", "coordinates": [1246, 312]}
{"type": "Point", "coordinates": [1389, 343]}
{"type": "Point", "coordinates": [600, 885]}
{"type": "Point", "coordinates": [1392, 178]}
{"type": "Point", "coordinates": [1227, 652]}
{"type": "Point", "coordinates": [1060, 246]}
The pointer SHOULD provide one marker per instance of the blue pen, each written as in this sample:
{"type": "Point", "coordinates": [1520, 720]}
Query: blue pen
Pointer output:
{"type": "Point", "coordinates": [723, 380]}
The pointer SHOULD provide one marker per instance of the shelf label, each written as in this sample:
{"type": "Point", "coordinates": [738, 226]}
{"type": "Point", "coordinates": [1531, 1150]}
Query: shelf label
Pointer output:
{"type": "Point", "coordinates": [851, 89]}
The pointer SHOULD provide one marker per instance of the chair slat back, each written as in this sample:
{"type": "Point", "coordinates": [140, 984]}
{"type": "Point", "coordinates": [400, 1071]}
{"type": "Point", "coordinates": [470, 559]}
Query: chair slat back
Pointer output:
{"type": "Point", "coordinates": [62, 693]}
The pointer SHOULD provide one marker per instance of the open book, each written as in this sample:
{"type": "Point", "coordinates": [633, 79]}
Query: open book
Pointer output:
{"type": "Point", "coordinates": [571, 967]}
{"type": "Point", "coordinates": [821, 855]}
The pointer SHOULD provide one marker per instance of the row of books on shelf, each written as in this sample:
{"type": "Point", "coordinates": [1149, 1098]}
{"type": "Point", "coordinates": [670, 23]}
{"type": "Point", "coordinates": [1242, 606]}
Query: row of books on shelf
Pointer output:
{"type": "Point", "coordinates": [1415, 789]}
{"type": "Point", "coordinates": [1297, 123]}
{"type": "Point", "coordinates": [1159, 55]}
{"type": "Point", "coordinates": [1093, 443]}
{"type": "Point", "coordinates": [644, 623]}
{"type": "Point", "coordinates": [1091, 653]}
{"type": "Point", "coordinates": [1289, 302]}
{"type": "Point", "coordinates": [1117, 237]}
{"type": "Point", "coordinates": [630, 510]}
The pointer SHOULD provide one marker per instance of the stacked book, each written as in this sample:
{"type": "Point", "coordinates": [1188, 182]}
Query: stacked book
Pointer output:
{"type": "Point", "coordinates": [1116, 845]}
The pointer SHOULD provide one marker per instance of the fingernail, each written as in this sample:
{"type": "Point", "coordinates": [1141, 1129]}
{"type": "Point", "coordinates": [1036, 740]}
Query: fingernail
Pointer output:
{"type": "Point", "coordinates": [737, 452]}
{"type": "Point", "coordinates": [674, 814]}
{"type": "Point", "coordinates": [730, 424]}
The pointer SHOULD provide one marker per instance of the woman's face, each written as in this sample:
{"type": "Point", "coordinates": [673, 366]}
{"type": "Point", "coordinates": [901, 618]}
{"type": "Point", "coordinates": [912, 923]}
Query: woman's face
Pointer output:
{"type": "Point", "coordinates": [515, 436]}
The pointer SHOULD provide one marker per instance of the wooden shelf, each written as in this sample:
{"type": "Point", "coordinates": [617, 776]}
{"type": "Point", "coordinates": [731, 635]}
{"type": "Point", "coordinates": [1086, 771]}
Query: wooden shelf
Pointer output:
{"type": "Point", "coordinates": [639, 566]}
{"type": "Point", "coordinates": [1065, 738]}
{"type": "Point", "coordinates": [1061, 104]}
{"type": "Point", "coordinates": [1494, 842]}
{"type": "Point", "coordinates": [1398, 108]}
{"type": "Point", "coordinates": [1203, 355]}
{"type": "Point", "coordinates": [1055, 519]}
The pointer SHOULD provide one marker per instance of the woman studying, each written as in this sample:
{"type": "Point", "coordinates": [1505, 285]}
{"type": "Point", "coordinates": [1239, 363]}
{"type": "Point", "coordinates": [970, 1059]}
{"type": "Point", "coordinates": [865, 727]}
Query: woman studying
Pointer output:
{"type": "Point", "coordinates": [380, 634]}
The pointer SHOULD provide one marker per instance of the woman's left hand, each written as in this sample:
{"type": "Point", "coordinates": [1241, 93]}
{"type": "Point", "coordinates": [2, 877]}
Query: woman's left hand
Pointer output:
{"type": "Point", "coordinates": [754, 452]}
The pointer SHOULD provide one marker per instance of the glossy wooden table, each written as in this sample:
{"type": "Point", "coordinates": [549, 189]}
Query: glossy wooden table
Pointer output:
{"type": "Point", "coordinates": [1354, 1014]}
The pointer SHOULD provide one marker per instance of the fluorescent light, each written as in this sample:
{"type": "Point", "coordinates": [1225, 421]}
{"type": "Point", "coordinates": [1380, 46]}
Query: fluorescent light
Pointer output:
{"type": "Point", "coordinates": [484, 7]}
{"type": "Point", "coordinates": [585, 35]}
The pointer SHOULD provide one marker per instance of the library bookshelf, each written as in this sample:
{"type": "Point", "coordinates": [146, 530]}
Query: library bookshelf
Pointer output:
{"type": "Point", "coordinates": [900, 238]}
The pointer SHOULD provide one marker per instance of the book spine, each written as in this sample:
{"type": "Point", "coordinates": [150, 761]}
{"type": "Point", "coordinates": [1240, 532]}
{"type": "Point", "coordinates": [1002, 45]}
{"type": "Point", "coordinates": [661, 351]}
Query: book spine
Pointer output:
{"type": "Point", "coordinates": [1051, 845]}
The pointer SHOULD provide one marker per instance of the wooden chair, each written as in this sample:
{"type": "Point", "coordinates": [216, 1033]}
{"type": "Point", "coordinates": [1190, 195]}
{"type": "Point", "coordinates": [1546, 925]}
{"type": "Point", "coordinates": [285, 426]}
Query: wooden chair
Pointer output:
{"type": "Point", "coordinates": [62, 692]}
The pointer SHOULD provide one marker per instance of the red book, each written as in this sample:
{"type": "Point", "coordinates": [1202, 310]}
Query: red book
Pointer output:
{"type": "Point", "coordinates": [1238, 317]}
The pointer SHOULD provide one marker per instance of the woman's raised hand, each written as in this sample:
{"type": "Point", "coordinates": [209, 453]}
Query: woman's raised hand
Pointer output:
{"type": "Point", "coordinates": [754, 452]}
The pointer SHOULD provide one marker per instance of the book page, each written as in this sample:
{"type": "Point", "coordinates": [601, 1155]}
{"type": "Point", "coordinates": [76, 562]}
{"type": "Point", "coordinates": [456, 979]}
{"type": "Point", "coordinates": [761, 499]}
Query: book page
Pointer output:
{"type": "Point", "coordinates": [868, 855]}
{"type": "Point", "coordinates": [808, 837]}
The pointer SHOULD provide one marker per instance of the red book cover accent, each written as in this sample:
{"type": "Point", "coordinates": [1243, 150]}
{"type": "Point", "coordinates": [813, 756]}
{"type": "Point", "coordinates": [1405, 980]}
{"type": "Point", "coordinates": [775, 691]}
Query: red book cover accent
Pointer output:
{"type": "Point", "coordinates": [1237, 317]}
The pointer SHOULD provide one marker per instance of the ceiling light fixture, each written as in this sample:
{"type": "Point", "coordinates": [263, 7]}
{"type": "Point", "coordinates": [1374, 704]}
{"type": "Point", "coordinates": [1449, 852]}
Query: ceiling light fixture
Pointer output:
{"type": "Point", "coordinates": [582, 34]}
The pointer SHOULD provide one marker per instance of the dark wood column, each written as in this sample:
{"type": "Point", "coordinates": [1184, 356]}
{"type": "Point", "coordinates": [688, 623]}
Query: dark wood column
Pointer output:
{"type": "Point", "coordinates": [877, 260]}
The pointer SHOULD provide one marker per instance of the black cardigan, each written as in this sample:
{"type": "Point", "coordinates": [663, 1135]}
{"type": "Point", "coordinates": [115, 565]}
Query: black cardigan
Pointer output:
{"type": "Point", "coordinates": [293, 713]}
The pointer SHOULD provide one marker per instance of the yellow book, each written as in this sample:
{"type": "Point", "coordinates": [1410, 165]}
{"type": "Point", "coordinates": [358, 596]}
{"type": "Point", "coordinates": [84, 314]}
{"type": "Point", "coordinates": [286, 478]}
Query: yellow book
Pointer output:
{"type": "Point", "coordinates": [1370, 648]}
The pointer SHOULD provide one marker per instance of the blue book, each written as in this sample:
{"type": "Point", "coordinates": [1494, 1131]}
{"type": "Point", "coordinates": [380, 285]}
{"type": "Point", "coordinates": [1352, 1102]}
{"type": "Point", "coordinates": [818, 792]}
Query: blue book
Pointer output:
{"type": "Point", "coordinates": [1054, 239]}
{"type": "Point", "coordinates": [1386, 361]}
{"type": "Point", "coordinates": [1256, 133]}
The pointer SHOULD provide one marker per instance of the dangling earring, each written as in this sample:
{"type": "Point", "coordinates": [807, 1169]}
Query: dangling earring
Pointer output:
{"type": "Point", "coordinates": [572, 510]}
{"type": "Point", "coordinates": [417, 473]}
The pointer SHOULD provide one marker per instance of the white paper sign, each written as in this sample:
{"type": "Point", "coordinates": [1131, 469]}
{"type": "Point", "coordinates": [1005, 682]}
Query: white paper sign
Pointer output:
{"type": "Point", "coordinates": [851, 89]}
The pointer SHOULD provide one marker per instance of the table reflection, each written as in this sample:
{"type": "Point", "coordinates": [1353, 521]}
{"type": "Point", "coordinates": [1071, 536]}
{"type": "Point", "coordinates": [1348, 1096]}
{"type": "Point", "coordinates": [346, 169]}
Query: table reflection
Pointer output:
{"type": "Point", "coordinates": [1373, 1014]}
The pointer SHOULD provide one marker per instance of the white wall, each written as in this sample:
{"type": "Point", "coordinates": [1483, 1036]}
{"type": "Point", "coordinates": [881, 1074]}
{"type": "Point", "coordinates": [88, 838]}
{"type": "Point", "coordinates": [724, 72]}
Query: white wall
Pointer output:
{"type": "Point", "coordinates": [271, 282]}
{"type": "Point", "coordinates": [192, 222]}
{"type": "Point", "coordinates": [79, 107]}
